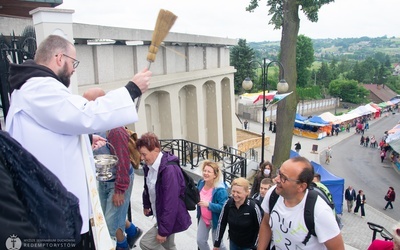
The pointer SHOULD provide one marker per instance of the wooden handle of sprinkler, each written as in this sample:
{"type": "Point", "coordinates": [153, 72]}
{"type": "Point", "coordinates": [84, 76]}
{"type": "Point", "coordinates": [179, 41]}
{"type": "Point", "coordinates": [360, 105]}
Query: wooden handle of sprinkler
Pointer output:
{"type": "Point", "coordinates": [138, 99]}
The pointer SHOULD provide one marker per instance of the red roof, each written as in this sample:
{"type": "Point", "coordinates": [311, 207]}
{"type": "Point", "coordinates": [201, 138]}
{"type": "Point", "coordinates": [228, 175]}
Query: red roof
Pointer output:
{"type": "Point", "coordinates": [379, 93]}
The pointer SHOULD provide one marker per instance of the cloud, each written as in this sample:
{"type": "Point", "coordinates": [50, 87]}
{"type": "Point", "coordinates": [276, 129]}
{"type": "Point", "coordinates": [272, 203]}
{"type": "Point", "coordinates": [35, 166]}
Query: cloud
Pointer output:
{"type": "Point", "coordinates": [228, 18]}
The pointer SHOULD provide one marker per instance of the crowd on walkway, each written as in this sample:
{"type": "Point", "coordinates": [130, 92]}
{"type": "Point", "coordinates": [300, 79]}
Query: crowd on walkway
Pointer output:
{"type": "Point", "coordinates": [64, 137]}
{"type": "Point", "coordinates": [356, 199]}
{"type": "Point", "coordinates": [385, 151]}
{"type": "Point", "coordinates": [39, 93]}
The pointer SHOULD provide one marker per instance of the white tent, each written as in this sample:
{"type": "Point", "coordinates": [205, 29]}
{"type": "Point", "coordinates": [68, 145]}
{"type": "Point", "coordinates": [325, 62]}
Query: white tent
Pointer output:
{"type": "Point", "coordinates": [361, 110]}
{"type": "Point", "coordinates": [348, 117]}
{"type": "Point", "coordinates": [370, 108]}
{"type": "Point", "coordinates": [329, 117]}
{"type": "Point", "coordinates": [393, 137]}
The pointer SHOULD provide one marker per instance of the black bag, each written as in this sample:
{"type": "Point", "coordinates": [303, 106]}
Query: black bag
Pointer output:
{"type": "Point", "coordinates": [192, 195]}
{"type": "Point", "coordinates": [51, 209]}
{"type": "Point", "coordinates": [386, 198]}
{"type": "Point", "coordinates": [313, 193]}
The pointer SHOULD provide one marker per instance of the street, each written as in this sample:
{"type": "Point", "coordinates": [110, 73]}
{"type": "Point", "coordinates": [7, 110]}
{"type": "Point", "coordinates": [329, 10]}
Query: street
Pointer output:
{"type": "Point", "coordinates": [361, 167]}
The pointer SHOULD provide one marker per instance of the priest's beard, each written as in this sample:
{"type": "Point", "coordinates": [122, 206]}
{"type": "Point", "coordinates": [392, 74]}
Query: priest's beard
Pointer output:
{"type": "Point", "coordinates": [64, 76]}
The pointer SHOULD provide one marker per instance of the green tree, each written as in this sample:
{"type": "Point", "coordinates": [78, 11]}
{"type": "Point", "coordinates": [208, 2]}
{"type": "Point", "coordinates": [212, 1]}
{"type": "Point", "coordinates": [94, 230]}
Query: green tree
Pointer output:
{"type": "Point", "coordinates": [348, 90]}
{"type": "Point", "coordinates": [304, 59]}
{"type": "Point", "coordinates": [272, 74]}
{"type": "Point", "coordinates": [333, 68]}
{"type": "Point", "coordinates": [380, 57]}
{"type": "Point", "coordinates": [357, 73]}
{"type": "Point", "coordinates": [369, 70]}
{"type": "Point", "coordinates": [388, 64]}
{"type": "Point", "coordinates": [241, 55]}
{"type": "Point", "coordinates": [313, 77]}
{"type": "Point", "coordinates": [324, 75]}
{"type": "Point", "coordinates": [394, 83]}
{"type": "Point", "coordinates": [343, 66]}
{"type": "Point", "coordinates": [285, 15]}
{"type": "Point", "coordinates": [381, 76]}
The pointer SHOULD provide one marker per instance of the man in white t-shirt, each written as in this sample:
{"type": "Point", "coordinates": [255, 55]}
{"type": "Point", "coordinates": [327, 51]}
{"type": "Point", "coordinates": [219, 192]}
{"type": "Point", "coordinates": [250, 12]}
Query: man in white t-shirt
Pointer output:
{"type": "Point", "coordinates": [285, 224]}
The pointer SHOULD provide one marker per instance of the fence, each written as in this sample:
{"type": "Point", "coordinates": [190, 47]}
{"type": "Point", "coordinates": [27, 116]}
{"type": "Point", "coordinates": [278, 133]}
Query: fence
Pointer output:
{"type": "Point", "coordinates": [191, 155]}
{"type": "Point", "coordinates": [254, 111]}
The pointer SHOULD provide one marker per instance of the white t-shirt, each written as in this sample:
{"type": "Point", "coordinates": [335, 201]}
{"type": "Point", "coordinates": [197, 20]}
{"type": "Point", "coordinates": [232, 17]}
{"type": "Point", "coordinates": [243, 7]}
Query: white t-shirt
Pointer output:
{"type": "Point", "coordinates": [289, 228]}
{"type": "Point", "coordinates": [151, 181]}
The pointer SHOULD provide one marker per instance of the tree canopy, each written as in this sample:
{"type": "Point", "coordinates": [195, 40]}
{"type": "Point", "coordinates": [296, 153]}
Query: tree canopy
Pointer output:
{"type": "Point", "coordinates": [348, 90]}
{"type": "Point", "coordinates": [277, 8]}
{"type": "Point", "coordinates": [304, 59]}
{"type": "Point", "coordinates": [285, 15]}
{"type": "Point", "coordinates": [240, 57]}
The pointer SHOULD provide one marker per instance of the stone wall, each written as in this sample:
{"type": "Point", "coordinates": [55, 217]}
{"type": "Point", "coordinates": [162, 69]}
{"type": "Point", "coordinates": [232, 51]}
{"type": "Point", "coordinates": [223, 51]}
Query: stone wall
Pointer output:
{"type": "Point", "coordinates": [304, 108]}
{"type": "Point", "coordinates": [247, 140]}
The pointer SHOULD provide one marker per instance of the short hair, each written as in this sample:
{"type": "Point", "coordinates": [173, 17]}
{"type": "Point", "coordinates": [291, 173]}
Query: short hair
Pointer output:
{"type": "Point", "coordinates": [148, 140]}
{"type": "Point", "coordinates": [266, 181]}
{"type": "Point", "coordinates": [50, 47]}
{"type": "Point", "coordinates": [241, 182]}
{"type": "Point", "coordinates": [359, 191]}
{"type": "Point", "coordinates": [216, 169]}
{"type": "Point", "coordinates": [307, 174]}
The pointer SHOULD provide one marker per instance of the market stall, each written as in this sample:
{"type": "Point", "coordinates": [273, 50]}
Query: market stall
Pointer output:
{"type": "Point", "coordinates": [313, 128]}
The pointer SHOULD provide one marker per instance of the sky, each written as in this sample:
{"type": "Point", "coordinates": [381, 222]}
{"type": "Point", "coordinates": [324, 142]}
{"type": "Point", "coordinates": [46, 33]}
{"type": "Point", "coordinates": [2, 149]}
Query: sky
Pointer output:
{"type": "Point", "coordinates": [229, 19]}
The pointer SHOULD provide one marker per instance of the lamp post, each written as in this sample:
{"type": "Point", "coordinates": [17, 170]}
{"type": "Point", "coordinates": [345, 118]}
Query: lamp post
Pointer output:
{"type": "Point", "coordinates": [282, 87]}
{"type": "Point", "coordinates": [337, 102]}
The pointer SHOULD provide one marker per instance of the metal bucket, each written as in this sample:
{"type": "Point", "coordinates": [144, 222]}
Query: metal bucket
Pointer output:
{"type": "Point", "coordinates": [105, 166]}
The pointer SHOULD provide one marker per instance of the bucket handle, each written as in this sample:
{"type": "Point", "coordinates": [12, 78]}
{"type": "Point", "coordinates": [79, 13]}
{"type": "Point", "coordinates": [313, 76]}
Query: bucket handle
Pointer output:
{"type": "Point", "coordinates": [113, 149]}
{"type": "Point", "coordinates": [111, 146]}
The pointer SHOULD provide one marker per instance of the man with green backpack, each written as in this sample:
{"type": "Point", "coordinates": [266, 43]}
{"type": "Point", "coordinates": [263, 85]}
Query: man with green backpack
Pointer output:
{"type": "Point", "coordinates": [284, 225]}
{"type": "Point", "coordinates": [326, 195]}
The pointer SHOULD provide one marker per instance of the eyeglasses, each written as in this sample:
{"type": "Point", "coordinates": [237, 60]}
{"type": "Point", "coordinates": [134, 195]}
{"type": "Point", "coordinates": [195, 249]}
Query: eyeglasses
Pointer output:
{"type": "Point", "coordinates": [284, 178]}
{"type": "Point", "coordinates": [75, 62]}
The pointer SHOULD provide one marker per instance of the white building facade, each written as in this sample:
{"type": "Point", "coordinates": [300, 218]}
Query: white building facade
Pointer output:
{"type": "Point", "coordinates": [191, 95]}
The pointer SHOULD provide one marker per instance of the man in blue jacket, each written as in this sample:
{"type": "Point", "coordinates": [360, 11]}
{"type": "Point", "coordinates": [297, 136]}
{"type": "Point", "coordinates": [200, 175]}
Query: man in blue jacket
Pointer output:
{"type": "Point", "coordinates": [164, 187]}
{"type": "Point", "coordinates": [350, 196]}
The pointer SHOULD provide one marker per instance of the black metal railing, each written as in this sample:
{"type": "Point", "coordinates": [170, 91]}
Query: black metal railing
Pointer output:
{"type": "Point", "coordinates": [14, 49]}
{"type": "Point", "coordinates": [379, 229]}
{"type": "Point", "coordinates": [191, 154]}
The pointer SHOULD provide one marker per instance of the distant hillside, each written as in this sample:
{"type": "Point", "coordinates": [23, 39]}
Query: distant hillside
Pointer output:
{"type": "Point", "coordinates": [350, 48]}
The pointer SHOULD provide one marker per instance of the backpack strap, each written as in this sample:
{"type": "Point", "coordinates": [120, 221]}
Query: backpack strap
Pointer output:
{"type": "Point", "coordinates": [324, 194]}
{"type": "Point", "coordinates": [272, 200]}
{"type": "Point", "coordinates": [309, 214]}
{"type": "Point", "coordinates": [172, 163]}
{"type": "Point", "coordinates": [308, 211]}
{"type": "Point", "coordinates": [183, 173]}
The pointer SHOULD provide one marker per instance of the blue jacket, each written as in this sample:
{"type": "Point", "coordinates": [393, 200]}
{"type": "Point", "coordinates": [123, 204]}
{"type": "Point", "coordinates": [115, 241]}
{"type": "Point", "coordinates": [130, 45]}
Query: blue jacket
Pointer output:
{"type": "Point", "coordinates": [172, 216]}
{"type": "Point", "coordinates": [219, 197]}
